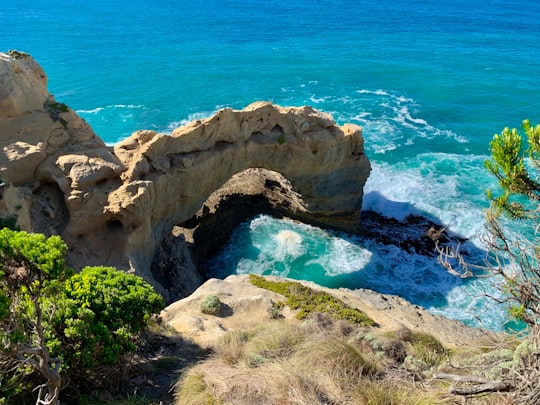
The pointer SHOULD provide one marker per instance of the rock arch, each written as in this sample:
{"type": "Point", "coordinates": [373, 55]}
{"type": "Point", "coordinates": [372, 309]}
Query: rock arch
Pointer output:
{"type": "Point", "coordinates": [169, 177]}
{"type": "Point", "coordinates": [122, 202]}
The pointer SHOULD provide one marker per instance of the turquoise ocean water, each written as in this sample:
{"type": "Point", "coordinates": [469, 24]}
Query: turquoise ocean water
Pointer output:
{"type": "Point", "coordinates": [430, 82]}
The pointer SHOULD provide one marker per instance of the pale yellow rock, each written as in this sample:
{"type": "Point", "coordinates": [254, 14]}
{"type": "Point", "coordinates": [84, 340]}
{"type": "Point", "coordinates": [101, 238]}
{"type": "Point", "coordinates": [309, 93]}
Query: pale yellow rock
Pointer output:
{"type": "Point", "coordinates": [117, 206]}
{"type": "Point", "coordinates": [15, 202]}
{"type": "Point", "coordinates": [247, 306]}
{"type": "Point", "coordinates": [122, 206]}
{"type": "Point", "coordinates": [23, 85]}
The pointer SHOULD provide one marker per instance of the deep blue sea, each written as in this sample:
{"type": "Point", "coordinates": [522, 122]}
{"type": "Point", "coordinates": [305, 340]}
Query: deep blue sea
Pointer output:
{"type": "Point", "coordinates": [430, 82]}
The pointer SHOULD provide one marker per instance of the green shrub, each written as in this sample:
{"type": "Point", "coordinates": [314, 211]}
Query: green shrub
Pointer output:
{"type": "Point", "coordinates": [275, 310]}
{"type": "Point", "coordinates": [32, 267]}
{"type": "Point", "coordinates": [211, 305]}
{"type": "Point", "coordinates": [100, 312]}
{"type": "Point", "coordinates": [52, 321]}
{"type": "Point", "coordinates": [57, 107]}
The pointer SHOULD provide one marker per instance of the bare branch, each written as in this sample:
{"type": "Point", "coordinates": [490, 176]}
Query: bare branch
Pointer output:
{"type": "Point", "coordinates": [482, 384]}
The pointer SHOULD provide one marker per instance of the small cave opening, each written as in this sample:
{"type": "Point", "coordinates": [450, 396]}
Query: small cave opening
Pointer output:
{"type": "Point", "coordinates": [277, 130]}
{"type": "Point", "coordinates": [114, 225]}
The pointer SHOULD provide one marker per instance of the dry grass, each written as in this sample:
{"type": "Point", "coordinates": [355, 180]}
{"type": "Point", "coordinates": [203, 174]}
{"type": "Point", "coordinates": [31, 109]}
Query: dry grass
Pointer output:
{"type": "Point", "coordinates": [526, 370]}
{"type": "Point", "coordinates": [427, 349]}
{"type": "Point", "coordinates": [322, 361]}
{"type": "Point", "coordinates": [395, 393]}
{"type": "Point", "coordinates": [194, 391]}
{"type": "Point", "coordinates": [231, 347]}
{"type": "Point", "coordinates": [331, 362]}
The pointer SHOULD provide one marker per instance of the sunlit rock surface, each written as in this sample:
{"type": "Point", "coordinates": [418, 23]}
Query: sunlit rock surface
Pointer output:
{"type": "Point", "coordinates": [119, 206]}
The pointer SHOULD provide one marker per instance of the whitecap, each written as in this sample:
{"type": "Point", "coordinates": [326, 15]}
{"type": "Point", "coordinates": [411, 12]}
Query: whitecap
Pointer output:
{"type": "Point", "coordinates": [343, 257]}
{"type": "Point", "coordinates": [201, 115]}
{"type": "Point", "coordinates": [378, 92]}
{"type": "Point", "coordinates": [289, 244]}
{"type": "Point", "coordinates": [94, 111]}
{"type": "Point", "coordinates": [444, 186]}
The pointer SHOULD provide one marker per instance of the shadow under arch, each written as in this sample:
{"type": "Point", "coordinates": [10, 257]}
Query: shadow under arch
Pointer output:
{"type": "Point", "coordinates": [245, 195]}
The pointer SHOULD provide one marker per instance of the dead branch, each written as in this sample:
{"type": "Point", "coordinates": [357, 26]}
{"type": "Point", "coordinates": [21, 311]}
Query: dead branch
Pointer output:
{"type": "Point", "coordinates": [455, 263]}
{"type": "Point", "coordinates": [482, 384]}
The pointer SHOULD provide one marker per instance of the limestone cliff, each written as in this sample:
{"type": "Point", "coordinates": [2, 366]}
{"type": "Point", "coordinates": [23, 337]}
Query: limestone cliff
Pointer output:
{"type": "Point", "coordinates": [118, 206]}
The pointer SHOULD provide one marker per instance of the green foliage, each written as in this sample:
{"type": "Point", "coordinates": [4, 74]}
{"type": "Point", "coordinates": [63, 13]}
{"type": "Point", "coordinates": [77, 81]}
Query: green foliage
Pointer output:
{"type": "Point", "coordinates": [5, 303]}
{"type": "Point", "coordinates": [30, 264]}
{"type": "Point", "coordinates": [509, 166]}
{"type": "Point", "coordinates": [32, 267]}
{"type": "Point", "coordinates": [57, 107]}
{"type": "Point", "coordinates": [17, 54]}
{"type": "Point", "coordinates": [515, 163]}
{"type": "Point", "coordinates": [99, 314]}
{"type": "Point", "coordinates": [275, 310]}
{"type": "Point", "coordinates": [86, 319]}
{"type": "Point", "coordinates": [55, 110]}
{"type": "Point", "coordinates": [308, 301]}
{"type": "Point", "coordinates": [211, 305]}
{"type": "Point", "coordinates": [281, 287]}
{"type": "Point", "coordinates": [42, 257]}
{"type": "Point", "coordinates": [281, 139]}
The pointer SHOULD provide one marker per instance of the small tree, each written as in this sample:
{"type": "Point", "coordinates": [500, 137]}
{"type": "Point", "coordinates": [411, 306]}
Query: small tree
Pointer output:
{"type": "Point", "coordinates": [514, 257]}
{"type": "Point", "coordinates": [516, 164]}
{"type": "Point", "coordinates": [31, 266]}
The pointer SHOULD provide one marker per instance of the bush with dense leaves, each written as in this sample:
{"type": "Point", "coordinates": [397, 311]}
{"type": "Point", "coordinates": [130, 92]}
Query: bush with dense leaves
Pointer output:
{"type": "Point", "coordinates": [100, 312]}
{"type": "Point", "coordinates": [53, 321]}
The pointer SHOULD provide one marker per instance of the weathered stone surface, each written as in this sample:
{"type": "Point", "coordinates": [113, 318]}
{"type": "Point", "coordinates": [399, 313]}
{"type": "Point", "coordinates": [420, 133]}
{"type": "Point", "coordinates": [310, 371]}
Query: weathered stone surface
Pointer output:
{"type": "Point", "coordinates": [118, 206]}
{"type": "Point", "coordinates": [33, 126]}
{"type": "Point", "coordinates": [246, 306]}
{"type": "Point", "coordinates": [23, 85]}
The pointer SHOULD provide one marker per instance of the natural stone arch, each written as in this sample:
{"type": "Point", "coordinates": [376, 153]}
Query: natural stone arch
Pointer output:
{"type": "Point", "coordinates": [190, 244]}
{"type": "Point", "coordinates": [119, 204]}
{"type": "Point", "coordinates": [169, 177]}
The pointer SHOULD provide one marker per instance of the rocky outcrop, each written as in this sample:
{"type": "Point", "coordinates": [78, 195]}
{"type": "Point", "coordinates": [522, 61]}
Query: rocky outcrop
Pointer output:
{"type": "Point", "coordinates": [245, 306]}
{"type": "Point", "coordinates": [118, 206]}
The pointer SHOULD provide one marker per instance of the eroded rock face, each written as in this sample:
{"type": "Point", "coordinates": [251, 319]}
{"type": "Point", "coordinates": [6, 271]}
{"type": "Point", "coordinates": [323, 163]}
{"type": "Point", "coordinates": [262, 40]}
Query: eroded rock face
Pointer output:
{"type": "Point", "coordinates": [118, 206]}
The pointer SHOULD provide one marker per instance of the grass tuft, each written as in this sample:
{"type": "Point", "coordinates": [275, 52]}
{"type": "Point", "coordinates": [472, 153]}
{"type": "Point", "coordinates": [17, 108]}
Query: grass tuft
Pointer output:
{"type": "Point", "coordinates": [427, 348]}
{"type": "Point", "coordinates": [193, 390]}
{"type": "Point", "coordinates": [231, 346]}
